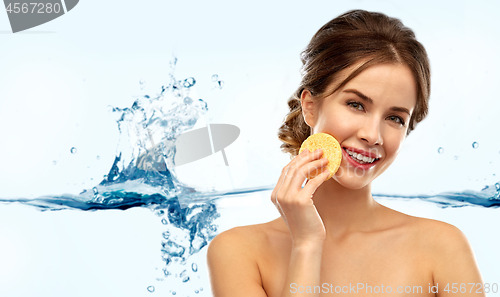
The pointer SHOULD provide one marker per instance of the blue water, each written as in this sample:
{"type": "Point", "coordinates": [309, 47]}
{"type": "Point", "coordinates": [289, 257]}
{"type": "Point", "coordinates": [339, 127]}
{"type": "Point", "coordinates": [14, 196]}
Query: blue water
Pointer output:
{"type": "Point", "coordinates": [143, 175]}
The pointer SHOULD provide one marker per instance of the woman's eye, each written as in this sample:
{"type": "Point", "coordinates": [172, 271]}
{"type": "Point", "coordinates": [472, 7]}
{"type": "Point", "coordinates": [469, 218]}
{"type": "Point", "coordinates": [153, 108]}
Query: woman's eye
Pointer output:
{"type": "Point", "coordinates": [356, 105]}
{"type": "Point", "coordinates": [359, 106]}
{"type": "Point", "coordinates": [397, 120]}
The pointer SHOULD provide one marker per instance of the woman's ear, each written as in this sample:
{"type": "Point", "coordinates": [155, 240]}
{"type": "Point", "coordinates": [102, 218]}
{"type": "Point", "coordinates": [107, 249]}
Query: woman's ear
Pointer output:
{"type": "Point", "coordinates": [309, 108]}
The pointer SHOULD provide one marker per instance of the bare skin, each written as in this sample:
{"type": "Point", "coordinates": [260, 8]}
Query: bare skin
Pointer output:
{"type": "Point", "coordinates": [331, 234]}
{"type": "Point", "coordinates": [405, 254]}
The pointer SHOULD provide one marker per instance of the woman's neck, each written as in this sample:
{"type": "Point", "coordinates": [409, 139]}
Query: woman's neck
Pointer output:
{"type": "Point", "coordinates": [344, 210]}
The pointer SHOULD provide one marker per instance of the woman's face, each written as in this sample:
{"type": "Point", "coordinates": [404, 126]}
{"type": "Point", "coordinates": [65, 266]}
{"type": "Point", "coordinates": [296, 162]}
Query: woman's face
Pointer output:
{"type": "Point", "coordinates": [369, 116]}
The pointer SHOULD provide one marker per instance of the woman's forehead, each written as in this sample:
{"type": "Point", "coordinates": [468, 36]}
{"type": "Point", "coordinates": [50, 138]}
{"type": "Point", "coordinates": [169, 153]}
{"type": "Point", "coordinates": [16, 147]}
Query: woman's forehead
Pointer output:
{"type": "Point", "coordinates": [383, 81]}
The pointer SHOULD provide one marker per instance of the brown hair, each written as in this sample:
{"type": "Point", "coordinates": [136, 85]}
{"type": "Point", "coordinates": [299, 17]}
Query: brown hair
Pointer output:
{"type": "Point", "coordinates": [355, 36]}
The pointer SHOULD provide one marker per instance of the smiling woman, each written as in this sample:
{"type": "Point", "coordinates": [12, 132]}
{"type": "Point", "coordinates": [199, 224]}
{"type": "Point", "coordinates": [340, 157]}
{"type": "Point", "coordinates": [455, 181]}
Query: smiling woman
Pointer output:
{"type": "Point", "coordinates": [374, 129]}
{"type": "Point", "coordinates": [366, 81]}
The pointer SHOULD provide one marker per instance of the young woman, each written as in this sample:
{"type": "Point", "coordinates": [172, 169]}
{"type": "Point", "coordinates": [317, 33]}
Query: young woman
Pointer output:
{"type": "Point", "coordinates": [366, 81]}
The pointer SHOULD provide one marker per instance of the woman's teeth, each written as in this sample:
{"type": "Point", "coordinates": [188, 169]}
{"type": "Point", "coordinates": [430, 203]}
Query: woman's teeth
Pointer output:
{"type": "Point", "coordinates": [360, 158]}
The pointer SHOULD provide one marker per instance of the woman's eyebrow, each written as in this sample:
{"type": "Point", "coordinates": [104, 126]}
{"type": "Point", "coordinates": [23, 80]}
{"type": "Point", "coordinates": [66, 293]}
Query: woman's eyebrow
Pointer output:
{"type": "Point", "coordinates": [370, 100]}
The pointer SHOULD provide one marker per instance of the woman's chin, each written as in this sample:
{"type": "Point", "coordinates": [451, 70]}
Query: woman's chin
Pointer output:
{"type": "Point", "coordinates": [354, 183]}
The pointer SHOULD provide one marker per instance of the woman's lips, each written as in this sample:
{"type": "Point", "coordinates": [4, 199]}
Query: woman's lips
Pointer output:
{"type": "Point", "coordinates": [356, 164]}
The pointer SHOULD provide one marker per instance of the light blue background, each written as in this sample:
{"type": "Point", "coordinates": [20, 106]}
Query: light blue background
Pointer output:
{"type": "Point", "coordinates": [58, 79]}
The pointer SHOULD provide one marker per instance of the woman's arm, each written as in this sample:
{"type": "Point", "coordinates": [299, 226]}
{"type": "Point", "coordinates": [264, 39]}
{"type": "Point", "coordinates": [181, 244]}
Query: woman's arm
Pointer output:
{"type": "Point", "coordinates": [231, 260]}
{"type": "Point", "coordinates": [455, 272]}
{"type": "Point", "coordinates": [303, 270]}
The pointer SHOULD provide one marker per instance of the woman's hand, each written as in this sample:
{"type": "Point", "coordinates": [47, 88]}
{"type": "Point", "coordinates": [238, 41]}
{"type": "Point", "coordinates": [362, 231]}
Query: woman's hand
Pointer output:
{"type": "Point", "coordinates": [295, 203]}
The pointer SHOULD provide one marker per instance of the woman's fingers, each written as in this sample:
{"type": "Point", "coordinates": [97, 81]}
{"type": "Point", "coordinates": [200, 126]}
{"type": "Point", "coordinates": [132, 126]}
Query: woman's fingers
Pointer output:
{"type": "Point", "coordinates": [314, 183]}
{"type": "Point", "coordinates": [293, 175]}
{"type": "Point", "coordinates": [294, 203]}
{"type": "Point", "coordinates": [298, 172]}
{"type": "Point", "coordinates": [279, 184]}
{"type": "Point", "coordinates": [284, 173]}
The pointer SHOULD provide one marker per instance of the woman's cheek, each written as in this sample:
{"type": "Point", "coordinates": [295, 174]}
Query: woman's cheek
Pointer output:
{"type": "Point", "coordinates": [345, 123]}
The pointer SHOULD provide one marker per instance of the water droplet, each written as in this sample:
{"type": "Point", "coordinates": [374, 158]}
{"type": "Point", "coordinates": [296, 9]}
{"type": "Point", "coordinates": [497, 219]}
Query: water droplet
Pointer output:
{"type": "Point", "coordinates": [166, 234]}
{"type": "Point", "coordinates": [455, 158]}
{"type": "Point", "coordinates": [475, 144]}
{"type": "Point", "coordinates": [220, 83]}
{"type": "Point", "coordinates": [201, 289]}
{"type": "Point", "coordinates": [54, 162]}
{"type": "Point", "coordinates": [497, 185]}
{"type": "Point", "coordinates": [189, 82]}
{"type": "Point", "coordinates": [160, 213]}
{"type": "Point", "coordinates": [95, 190]}
{"type": "Point", "coordinates": [188, 100]}
{"type": "Point", "coordinates": [165, 271]}
{"type": "Point", "coordinates": [186, 279]}
{"type": "Point", "coordinates": [173, 293]}
{"type": "Point", "coordinates": [194, 267]}
{"type": "Point", "coordinates": [440, 150]}
{"type": "Point", "coordinates": [73, 150]}
{"type": "Point", "coordinates": [164, 221]}
{"type": "Point", "coordinates": [151, 289]}
{"type": "Point", "coordinates": [98, 158]}
{"type": "Point", "coordinates": [173, 62]}
{"type": "Point", "coordinates": [215, 77]}
{"type": "Point", "coordinates": [196, 291]}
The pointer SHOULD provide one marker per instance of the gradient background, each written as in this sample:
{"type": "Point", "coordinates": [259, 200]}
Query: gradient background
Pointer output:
{"type": "Point", "coordinates": [58, 80]}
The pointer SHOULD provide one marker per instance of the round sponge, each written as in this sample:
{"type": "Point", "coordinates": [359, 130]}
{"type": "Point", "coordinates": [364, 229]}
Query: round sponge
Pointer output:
{"type": "Point", "coordinates": [331, 151]}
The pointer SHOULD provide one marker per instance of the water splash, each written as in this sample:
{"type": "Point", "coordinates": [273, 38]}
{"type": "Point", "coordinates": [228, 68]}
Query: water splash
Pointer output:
{"type": "Point", "coordinates": [141, 174]}
{"type": "Point", "coordinates": [489, 197]}
{"type": "Point", "coordinates": [218, 84]}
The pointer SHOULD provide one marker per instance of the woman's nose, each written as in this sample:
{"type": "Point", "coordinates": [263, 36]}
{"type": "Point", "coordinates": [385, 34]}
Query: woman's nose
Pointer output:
{"type": "Point", "coordinates": [370, 132]}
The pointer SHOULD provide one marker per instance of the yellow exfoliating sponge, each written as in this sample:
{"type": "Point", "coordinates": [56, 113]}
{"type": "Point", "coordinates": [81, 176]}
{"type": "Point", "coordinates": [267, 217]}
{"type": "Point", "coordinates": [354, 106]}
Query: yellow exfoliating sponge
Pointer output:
{"type": "Point", "coordinates": [331, 151]}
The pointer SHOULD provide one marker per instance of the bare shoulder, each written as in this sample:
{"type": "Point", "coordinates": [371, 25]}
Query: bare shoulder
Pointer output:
{"type": "Point", "coordinates": [441, 236]}
{"type": "Point", "coordinates": [432, 231]}
{"type": "Point", "coordinates": [445, 246]}
{"type": "Point", "coordinates": [433, 237]}
{"type": "Point", "coordinates": [243, 238]}
{"type": "Point", "coordinates": [233, 246]}
{"type": "Point", "coordinates": [251, 239]}
{"type": "Point", "coordinates": [232, 258]}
